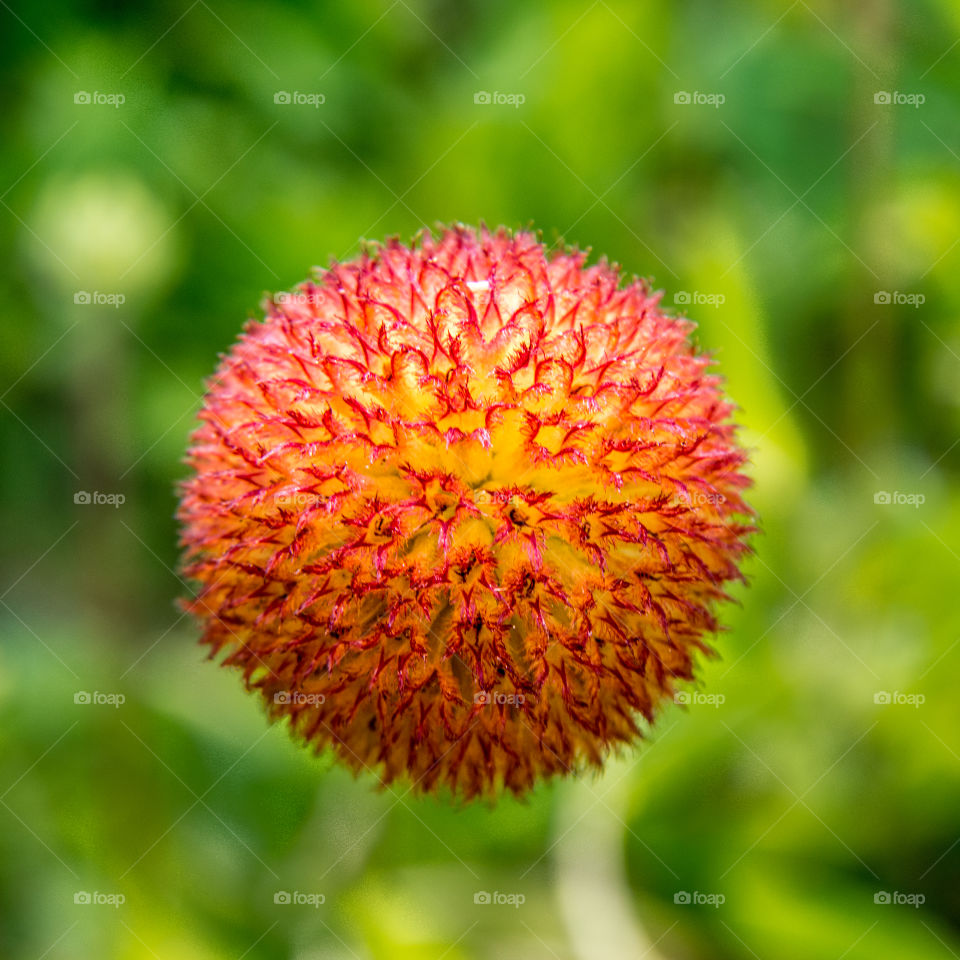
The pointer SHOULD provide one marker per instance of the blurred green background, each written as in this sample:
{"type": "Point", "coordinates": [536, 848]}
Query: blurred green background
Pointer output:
{"type": "Point", "coordinates": [810, 228]}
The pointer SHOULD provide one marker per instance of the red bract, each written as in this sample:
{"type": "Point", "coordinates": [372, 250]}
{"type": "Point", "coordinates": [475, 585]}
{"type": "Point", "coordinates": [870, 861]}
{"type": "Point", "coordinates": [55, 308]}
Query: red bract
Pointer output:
{"type": "Point", "coordinates": [461, 510]}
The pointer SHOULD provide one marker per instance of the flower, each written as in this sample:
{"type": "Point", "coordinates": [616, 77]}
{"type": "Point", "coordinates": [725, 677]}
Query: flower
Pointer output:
{"type": "Point", "coordinates": [462, 510]}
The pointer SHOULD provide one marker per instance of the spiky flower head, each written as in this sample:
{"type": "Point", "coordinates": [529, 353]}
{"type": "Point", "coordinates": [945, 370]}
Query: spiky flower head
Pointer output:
{"type": "Point", "coordinates": [461, 510]}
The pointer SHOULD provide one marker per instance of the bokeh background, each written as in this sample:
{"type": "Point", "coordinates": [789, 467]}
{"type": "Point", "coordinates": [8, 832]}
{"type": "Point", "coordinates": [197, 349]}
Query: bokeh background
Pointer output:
{"type": "Point", "coordinates": [786, 172]}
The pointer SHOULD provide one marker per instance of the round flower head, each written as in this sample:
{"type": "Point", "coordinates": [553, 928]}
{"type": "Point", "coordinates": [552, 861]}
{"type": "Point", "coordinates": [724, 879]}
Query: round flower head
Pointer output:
{"type": "Point", "coordinates": [461, 510]}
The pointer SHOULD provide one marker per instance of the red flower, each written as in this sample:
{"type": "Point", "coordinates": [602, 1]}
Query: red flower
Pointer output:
{"type": "Point", "coordinates": [462, 510]}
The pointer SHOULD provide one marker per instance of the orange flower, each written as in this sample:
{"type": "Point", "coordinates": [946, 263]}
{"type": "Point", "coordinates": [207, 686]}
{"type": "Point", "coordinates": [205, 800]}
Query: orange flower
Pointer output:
{"type": "Point", "coordinates": [462, 510]}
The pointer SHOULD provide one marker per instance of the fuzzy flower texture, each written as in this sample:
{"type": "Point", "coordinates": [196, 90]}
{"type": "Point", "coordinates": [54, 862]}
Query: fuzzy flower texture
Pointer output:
{"type": "Point", "coordinates": [462, 510]}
